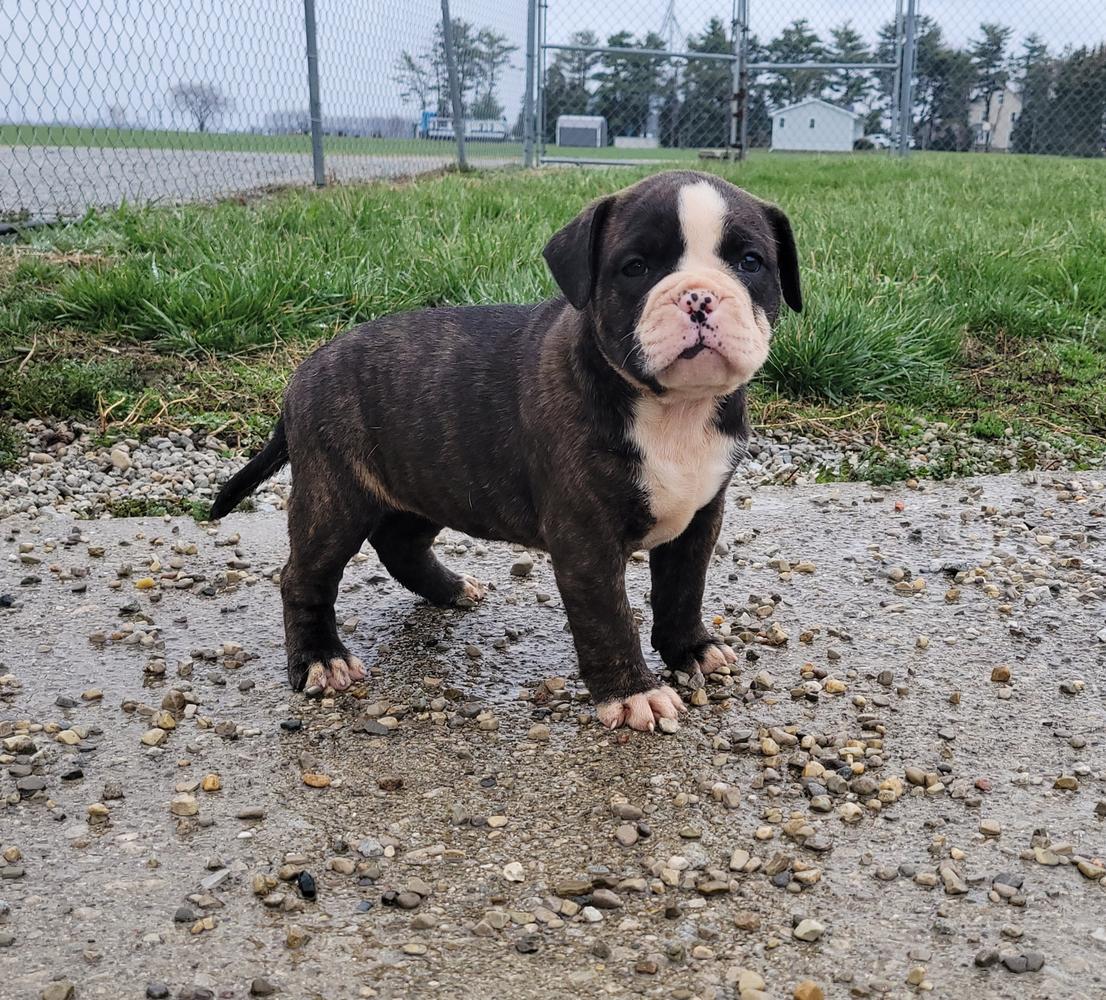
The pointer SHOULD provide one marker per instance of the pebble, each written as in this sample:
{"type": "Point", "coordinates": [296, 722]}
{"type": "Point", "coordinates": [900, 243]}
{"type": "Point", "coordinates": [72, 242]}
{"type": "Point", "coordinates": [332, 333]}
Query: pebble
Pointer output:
{"type": "Point", "coordinates": [809, 990]}
{"type": "Point", "coordinates": [808, 930]}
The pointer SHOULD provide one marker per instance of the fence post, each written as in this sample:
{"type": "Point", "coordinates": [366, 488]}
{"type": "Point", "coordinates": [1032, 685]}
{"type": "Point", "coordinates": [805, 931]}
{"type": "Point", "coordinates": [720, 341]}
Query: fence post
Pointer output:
{"type": "Point", "coordinates": [906, 95]}
{"type": "Point", "coordinates": [896, 79]}
{"type": "Point", "coordinates": [454, 85]}
{"type": "Point", "coordinates": [528, 94]}
{"type": "Point", "coordinates": [315, 109]}
{"type": "Point", "coordinates": [739, 131]}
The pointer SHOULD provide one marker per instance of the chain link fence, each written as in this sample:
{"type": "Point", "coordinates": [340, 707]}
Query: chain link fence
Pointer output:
{"type": "Point", "coordinates": [110, 101]}
{"type": "Point", "coordinates": [678, 79]}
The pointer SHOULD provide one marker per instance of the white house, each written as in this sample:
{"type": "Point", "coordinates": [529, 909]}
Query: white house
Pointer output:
{"type": "Point", "coordinates": [817, 126]}
{"type": "Point", "coordinates": [997, 131]}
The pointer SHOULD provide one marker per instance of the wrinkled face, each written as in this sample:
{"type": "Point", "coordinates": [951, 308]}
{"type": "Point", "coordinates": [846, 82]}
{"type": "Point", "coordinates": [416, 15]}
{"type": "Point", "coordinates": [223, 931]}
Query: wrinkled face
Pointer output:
{"type": "Point", "coordinates": [683, 281]}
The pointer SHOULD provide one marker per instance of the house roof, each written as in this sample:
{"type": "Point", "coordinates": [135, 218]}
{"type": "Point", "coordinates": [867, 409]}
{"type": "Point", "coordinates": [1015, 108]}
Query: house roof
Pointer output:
{"type": "Point", "coordinates": [818, 100]}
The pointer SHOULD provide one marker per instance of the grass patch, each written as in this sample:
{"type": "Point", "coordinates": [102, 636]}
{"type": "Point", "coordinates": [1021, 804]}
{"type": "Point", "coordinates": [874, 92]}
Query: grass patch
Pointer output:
{"type": "Point", "coordinates": [159, 508]}
{"type": "Point", "coordinates": [954, 286]}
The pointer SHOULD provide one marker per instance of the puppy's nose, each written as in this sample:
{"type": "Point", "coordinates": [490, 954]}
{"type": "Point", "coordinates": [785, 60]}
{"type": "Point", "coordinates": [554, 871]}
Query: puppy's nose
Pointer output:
{"type": "Point", "coordinates": [698, 303]}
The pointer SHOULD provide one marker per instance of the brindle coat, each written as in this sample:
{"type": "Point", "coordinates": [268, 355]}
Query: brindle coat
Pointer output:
{"type": "Point", "coordinates": [512, 423]}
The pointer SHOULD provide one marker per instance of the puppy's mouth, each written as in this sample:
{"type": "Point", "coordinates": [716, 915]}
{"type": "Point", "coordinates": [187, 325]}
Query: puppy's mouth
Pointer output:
{"type": "Point", "coordinates": [693, 350]}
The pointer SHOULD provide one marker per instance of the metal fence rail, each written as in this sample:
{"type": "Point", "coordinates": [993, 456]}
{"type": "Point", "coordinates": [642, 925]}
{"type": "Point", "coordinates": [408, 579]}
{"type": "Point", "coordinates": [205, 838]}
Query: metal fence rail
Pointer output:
{"type": "Point", "coordinates": [670, 78]}
{"type": "Point", "coordinates": [109, 101]}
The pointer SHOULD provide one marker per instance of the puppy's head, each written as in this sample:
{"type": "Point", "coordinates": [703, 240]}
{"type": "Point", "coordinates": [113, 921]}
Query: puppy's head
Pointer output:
{"type": "Point", "coordinates": [682, 276]}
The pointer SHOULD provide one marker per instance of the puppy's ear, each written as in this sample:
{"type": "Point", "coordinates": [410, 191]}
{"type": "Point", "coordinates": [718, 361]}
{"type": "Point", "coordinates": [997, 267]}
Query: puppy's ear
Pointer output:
{"type": "Point", "coordinates": [787, 256]}
{"type": "Point", "coordinates": [572, 253]}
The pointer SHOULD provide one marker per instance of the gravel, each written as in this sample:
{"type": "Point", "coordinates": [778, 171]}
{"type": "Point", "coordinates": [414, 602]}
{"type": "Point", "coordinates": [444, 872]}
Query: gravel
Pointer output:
{"type": "Point", "coordinates": [924, 828]}
{"type": "Point", "coordinates": [67, 468]}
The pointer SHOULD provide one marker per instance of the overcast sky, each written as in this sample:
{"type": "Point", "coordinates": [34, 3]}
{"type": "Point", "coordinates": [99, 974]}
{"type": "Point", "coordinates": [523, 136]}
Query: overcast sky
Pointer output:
{"type": "Point", "coordinates": [72, 61]}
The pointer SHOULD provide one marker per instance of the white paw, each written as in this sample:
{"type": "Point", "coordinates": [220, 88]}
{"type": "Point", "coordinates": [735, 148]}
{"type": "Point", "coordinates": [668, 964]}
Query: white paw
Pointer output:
{"type": "Point", "coordinates": [472, 589]}
{"type": "Point", "coordinates": [641, 711]}
{"type": "Point", "coordinates": [715, 657]}
{"type": "Point", "coordinates": [337, 674]}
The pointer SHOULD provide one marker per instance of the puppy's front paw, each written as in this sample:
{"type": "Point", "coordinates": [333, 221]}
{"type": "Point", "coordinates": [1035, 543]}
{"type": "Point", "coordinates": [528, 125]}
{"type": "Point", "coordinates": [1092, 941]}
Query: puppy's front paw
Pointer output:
{"type": "Point", "coordinates": [641, 711]}
{"type": "Point", "coordinates": [704, 654]}
{"type": "Point", "coordinates": [472, 591]}
{"type": "Point", "coordinates": [314, 673]}
{"type": "Point", "coordinates": [714, 656]}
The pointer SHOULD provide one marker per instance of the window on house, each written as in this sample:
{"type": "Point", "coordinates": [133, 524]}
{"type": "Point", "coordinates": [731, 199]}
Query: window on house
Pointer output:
{"type": "Point", "coordinates": [1013, 117]}
{"type": "Point", "coordinates": [781, 123]}
{"type": "Point", "coordinates": [812, 123]}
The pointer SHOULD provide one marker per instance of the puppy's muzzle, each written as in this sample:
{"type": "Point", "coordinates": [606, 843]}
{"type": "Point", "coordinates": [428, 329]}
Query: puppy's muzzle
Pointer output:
{"type": "Point", "coordinates": [699, 303]}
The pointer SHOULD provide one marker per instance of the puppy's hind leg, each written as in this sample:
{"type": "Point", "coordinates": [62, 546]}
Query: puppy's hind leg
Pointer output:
{"type": "Point", "coordinates": [326, 528]}
{"type": "Point", "coordinates": [403, 540]}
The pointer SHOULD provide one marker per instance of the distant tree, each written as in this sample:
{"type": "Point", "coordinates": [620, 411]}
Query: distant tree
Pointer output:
{"type": "Point", "coordinates": [627, 83]}
{"type": "Point", "coordinates": [988, 60]}
{"type": "Point", "coordinates": [705, 116]}
{"type": "Point", "coordinates": [1078, 109]}
{"type": "Point", "coordinates": [848, 87]}
{"type": "Point", "coordinates": [415, 80]}
{"type": "Point", "coordinates": [798, 42]}
{"type": "Point", "coordinates": [1035, 72]}
{"type": "Point", "coordinates": [205, 102]}
{"type": "Point", "coordinates": [567, 81]}
{"type": "Point", "coordinates": [493, 55]}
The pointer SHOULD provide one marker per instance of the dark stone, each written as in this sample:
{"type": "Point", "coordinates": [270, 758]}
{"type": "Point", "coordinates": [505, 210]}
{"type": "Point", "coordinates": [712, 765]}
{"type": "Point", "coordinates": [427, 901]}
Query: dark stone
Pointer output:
{"type": "Point", "coordinates": [156, 990]}
{"type": "Point", "coordinates": [371, 727]}
{"type": "Point", "coordinates": [528, 944]}
{"type": "Point", "coordinates": [1015, 963]}
{"type": "Point", "coordinates": [1034, 961]}
{"type": "Point", "coordinates": [986, 957]}
{"type": "Point", "coordinates": [305, 882]}
{"type": "Point", "coordinates": [389, 897]}
{"type": "Point", "coordinates": [262, 988]}
{"type": "Point", "coordinates": [291, 725]}
{"type": "Point", "coordinates": [185, 915]}
{"type": "Point", "coordinates": [64, 701]}
{"type": "Point", "coordinates": [6, 600]}
{"type": "Point", "coordinates": [364, 906]}
{"type": "Point", "coordinates": [1006, 878]}
{"type": "Point", "coordinates": [28, 786]}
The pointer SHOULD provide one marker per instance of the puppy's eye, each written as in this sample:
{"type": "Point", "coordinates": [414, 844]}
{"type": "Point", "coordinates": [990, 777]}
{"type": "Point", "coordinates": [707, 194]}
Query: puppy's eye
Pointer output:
{"type": "Point", "coordinates": [751, 263]}
{"type": "Point", "coordinates": [634, 268]}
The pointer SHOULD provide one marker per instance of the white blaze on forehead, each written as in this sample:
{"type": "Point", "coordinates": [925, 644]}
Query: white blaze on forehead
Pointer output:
{"type": "Point", "coordinates": [702, 211]}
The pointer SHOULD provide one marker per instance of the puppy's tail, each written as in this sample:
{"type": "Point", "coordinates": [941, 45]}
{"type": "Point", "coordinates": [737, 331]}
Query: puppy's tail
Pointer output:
{"type": "Point", "coordinates": [265, 463]}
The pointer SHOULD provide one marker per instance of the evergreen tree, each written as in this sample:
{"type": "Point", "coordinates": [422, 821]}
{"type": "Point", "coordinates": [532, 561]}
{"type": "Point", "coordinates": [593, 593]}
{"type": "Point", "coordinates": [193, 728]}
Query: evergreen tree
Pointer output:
{"type": "Point", "coordinates": [567, 82]}
{"type": "Point", "coordinates": [848, 87]}
{"type": "Point", "coordinates": [705, 118]}
{"type": "Point", "coordinates": [1035, 71]}
{"type": "Point", "coordinates": [627, 84]}
{"type": "Point", "coordinates": [1078, 110]}
{"type": "Point", "coordinates": [988, 61]}
{"type": "Point", "coordinates": [798, 42]}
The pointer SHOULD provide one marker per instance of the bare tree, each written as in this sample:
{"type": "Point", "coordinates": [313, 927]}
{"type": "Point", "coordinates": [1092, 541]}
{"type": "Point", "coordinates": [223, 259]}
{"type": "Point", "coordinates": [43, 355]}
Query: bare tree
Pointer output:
{"type": "Point", "coordinates": [414, 80]}
{"type": "Point", "coordinates": [203, 101]}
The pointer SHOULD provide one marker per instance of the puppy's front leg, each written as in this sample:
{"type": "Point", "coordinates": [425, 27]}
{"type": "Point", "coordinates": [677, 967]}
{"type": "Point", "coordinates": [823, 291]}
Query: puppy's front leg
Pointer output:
{"type": "Point", "coordinates": [679, 572]}
{"type": "Point", "coordinates": [591, 578]}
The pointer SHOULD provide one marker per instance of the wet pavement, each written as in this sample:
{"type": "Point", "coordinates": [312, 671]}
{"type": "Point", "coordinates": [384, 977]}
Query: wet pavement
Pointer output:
{"type": "Point", "coordinates": [901, 789]}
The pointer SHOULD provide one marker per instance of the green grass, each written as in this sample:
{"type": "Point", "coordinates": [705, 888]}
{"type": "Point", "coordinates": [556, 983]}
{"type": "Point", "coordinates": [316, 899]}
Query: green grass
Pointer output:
{"type": "Point", "coordinates": [125, 138]}
{"type": "Point", "coordinates": [963, 286]}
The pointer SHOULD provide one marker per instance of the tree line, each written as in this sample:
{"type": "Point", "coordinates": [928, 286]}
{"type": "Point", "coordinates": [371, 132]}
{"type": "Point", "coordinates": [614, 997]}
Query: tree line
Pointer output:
{"type": "Point", "coordinates": [687, 103]}
{"type": "Point", "coordinates": [482, 55]}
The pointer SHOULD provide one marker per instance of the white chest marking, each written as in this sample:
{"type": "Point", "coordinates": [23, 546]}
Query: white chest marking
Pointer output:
{"type": "Point", "coordinates": [685, 458]}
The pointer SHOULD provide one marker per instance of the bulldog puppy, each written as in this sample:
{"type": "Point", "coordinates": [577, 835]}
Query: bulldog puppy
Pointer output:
{"type": "Point", "coordinates": [591, 425]}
